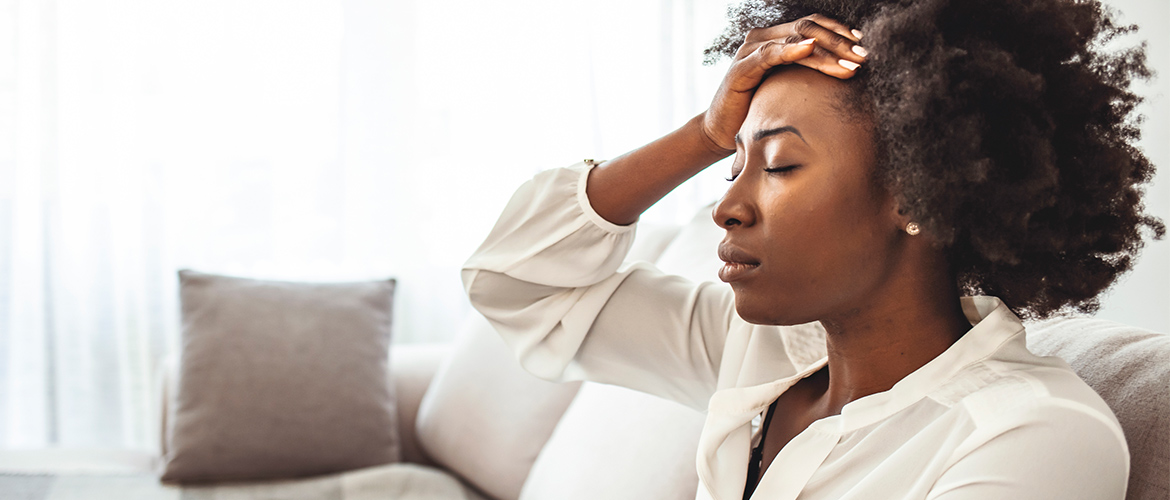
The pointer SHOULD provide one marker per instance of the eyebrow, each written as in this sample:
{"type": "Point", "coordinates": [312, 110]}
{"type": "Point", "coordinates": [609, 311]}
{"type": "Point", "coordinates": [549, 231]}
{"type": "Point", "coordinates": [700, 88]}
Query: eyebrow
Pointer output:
{"type": "Point", "coordinates": [761, 134]}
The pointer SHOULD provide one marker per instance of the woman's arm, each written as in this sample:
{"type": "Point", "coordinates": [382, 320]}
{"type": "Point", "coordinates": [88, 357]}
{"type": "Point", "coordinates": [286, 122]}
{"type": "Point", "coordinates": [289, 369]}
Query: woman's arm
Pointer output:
{"type": "Point", "coordinates": [551, 280]}
{"type": "Point", "coordinates": [621, 189]}
{"type": "Point", "coordinates": [624, 187]}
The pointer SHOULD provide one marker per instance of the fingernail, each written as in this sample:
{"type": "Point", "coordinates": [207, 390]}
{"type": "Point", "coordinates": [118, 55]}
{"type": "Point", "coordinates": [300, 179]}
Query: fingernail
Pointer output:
{"type": "Point", "coordinates": [849, 65]}
{"type": "Point", "coordinates": [856, 34]}
{"type": "Point", "coordinates": [859, 50]}
{"type": "Point", "coordinates": [807, 41]}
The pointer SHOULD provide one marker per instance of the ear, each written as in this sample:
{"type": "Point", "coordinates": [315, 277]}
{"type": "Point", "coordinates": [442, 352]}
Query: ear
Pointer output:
{"type": "Point", "coordinates": [898, 217]}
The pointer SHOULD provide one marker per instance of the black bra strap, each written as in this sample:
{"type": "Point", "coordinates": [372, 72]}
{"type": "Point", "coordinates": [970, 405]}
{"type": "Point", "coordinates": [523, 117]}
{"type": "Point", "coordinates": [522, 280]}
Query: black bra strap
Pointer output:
{"type": "Point", "coordinates": [757, 460]}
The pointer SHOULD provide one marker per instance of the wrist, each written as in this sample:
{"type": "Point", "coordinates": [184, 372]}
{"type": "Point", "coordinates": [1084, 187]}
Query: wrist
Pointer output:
{"type": "Point", "coordinates": [703, 136]}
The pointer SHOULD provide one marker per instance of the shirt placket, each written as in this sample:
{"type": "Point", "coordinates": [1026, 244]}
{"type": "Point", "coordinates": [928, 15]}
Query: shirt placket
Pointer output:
{"type": "Point", "coordinates": [790, 471]}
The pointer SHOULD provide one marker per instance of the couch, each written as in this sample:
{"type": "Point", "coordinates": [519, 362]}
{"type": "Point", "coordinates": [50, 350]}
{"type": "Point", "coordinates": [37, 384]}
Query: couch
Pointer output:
{"type": "Point", "coordinates": [473, 425]}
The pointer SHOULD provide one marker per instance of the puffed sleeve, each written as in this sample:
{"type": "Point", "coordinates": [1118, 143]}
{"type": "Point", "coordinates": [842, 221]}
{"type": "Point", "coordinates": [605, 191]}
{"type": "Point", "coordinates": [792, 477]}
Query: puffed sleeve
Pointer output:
{"type": "Point", "coordinates": [1055, 451]}
{"type": "Point", "coordinates": [550, 277]}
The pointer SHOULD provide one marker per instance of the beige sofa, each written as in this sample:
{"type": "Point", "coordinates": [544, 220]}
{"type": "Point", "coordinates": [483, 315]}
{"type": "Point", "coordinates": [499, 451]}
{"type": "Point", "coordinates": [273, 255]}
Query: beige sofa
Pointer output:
{"type": "Point", "coordinates": [470, 416]}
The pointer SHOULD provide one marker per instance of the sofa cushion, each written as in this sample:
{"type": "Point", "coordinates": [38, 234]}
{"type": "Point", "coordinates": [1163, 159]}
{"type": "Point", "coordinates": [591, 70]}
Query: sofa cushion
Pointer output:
{"type": "Point", "coordinates": [383, 482]}
{"type": "Point", "coordinates": [618, 444]}
{"type": "Point", "coordinates": [1128, 367]}
{"type": "Point", "coordinates": [413, 368]}
{"type": "Point", "coordinates": [280, 380]}
{"type": "Point", "coordinates": [403, 482]}
{"type": "Point", "coordinates": [484, 417]}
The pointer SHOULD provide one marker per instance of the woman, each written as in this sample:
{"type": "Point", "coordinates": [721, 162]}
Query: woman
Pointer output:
{"type": "Point", "coordinates": [910, 178]}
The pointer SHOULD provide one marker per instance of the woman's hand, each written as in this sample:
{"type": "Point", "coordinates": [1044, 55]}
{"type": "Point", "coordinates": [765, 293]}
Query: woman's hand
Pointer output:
{"type": "Point", "coordinates": [814, 41]}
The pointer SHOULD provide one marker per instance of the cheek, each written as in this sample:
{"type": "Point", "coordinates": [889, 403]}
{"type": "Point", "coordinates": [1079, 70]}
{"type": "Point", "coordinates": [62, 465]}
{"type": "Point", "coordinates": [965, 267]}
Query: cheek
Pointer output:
{"type": "Point", "coordinates": [857, 255]}
{"type": "Point", "coordinates": [826, 244]}
{"type": "Point", "coordinates": [854, 232]}
{"type": "Point", "coordinates": [816, 224]}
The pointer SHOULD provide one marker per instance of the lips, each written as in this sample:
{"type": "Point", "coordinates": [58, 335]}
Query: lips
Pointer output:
{"type": "Point", "coordinates": [737, 264]}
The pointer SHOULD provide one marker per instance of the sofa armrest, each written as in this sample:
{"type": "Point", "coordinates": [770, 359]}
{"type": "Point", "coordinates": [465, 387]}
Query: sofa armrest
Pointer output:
{"type": "Point", "coordinates": [412, 367]}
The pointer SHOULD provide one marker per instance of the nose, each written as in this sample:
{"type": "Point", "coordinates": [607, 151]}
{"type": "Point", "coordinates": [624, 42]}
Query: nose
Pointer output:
{"type": "Point", "coordinates": [735, 208]}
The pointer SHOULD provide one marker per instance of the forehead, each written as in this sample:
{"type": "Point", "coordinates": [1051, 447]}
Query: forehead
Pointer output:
{"type": "Point", "coordinates": [800, 97]}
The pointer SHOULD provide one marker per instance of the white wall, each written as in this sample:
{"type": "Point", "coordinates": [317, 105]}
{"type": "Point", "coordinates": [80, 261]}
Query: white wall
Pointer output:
{"type": "Point", "coordinates": [1142, 297]}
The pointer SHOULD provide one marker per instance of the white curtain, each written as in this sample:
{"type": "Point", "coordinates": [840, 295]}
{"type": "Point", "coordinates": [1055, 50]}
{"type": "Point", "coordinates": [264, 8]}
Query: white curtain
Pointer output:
{"type": "Point", "coordinates": [307, 139]}
{"type": "Point", "coordinates": [290, 139]}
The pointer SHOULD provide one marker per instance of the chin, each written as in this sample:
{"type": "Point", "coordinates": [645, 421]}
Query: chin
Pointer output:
{"type": "Point", "coordinates": [776, 312]}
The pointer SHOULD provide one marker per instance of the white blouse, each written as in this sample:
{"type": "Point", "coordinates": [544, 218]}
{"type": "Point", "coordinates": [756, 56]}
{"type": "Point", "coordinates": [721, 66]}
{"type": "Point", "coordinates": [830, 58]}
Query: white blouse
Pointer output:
{"type": "Point", "coordinates": [986, 419]}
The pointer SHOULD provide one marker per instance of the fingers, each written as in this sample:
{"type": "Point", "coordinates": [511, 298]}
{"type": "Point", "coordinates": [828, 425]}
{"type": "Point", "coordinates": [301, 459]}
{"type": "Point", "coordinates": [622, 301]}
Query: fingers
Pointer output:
{"type": "Point", "coordinates": [837, 27]}
{"type": "Point", "coordinates": [746, 73]}
{"type": "Point", "coordinates": [837, 52]}
{"type": "Point", "coordinates": [828, 65]}
{"type": "Point", "coordinates": [844, 48]}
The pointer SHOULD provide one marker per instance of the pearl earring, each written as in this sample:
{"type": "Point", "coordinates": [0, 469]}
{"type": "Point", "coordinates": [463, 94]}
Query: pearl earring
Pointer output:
{"type": "Point", "coordinates": [912, 229]}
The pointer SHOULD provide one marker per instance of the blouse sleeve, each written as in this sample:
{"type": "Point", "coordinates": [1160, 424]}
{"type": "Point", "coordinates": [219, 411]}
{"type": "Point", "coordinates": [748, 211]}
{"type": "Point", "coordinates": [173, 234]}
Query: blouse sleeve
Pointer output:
{"type": "Point", "coordinates": [550, 278]}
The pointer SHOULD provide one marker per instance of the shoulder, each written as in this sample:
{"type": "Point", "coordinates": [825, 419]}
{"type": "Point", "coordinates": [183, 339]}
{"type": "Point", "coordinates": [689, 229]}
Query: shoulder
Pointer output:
{"type": "Point", "coordinates": [1032, 406]}
{"type": "Point", "coordinates": [1044, 447]}
{"type": "Point", "coordinates": [1005, 392]}
{"type": "Point", "coordinates": [1032, 432]}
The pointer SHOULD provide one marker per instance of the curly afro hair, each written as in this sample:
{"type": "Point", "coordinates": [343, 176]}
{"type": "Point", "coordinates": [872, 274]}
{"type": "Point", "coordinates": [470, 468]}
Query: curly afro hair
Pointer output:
{"type": "Point", "coordinates": [1006, 130]}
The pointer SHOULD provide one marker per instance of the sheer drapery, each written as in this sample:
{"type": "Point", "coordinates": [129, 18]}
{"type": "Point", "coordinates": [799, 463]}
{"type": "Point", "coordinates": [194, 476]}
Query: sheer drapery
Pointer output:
{"type": "Point", "coordinates": [314, 139]}
{"type": "Point", "coordinates": [307, 139]}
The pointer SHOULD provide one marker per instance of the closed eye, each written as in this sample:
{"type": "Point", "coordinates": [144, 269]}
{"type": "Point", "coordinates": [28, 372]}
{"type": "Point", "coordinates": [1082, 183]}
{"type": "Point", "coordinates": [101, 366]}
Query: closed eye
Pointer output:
{"type": "Point", "coordinates": [771, 170]}
{"type": "Point", "coordinates": [774, 170]}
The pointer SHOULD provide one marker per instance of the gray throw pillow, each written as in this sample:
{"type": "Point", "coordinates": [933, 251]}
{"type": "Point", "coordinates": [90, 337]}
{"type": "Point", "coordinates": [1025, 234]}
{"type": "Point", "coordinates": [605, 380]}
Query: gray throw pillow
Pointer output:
{"type": "Point", "coordinates": [280, 380]}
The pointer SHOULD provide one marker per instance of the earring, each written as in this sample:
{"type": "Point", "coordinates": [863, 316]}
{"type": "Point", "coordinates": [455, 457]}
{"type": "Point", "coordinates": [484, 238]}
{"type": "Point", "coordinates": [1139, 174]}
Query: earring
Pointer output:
{"type": "Point", "coordinates": [912, 229]}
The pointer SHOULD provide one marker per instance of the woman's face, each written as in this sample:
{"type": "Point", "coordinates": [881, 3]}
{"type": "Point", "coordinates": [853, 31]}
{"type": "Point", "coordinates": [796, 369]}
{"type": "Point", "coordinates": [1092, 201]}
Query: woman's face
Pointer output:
{"type": "Point", "coordinates": [809, 235]}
